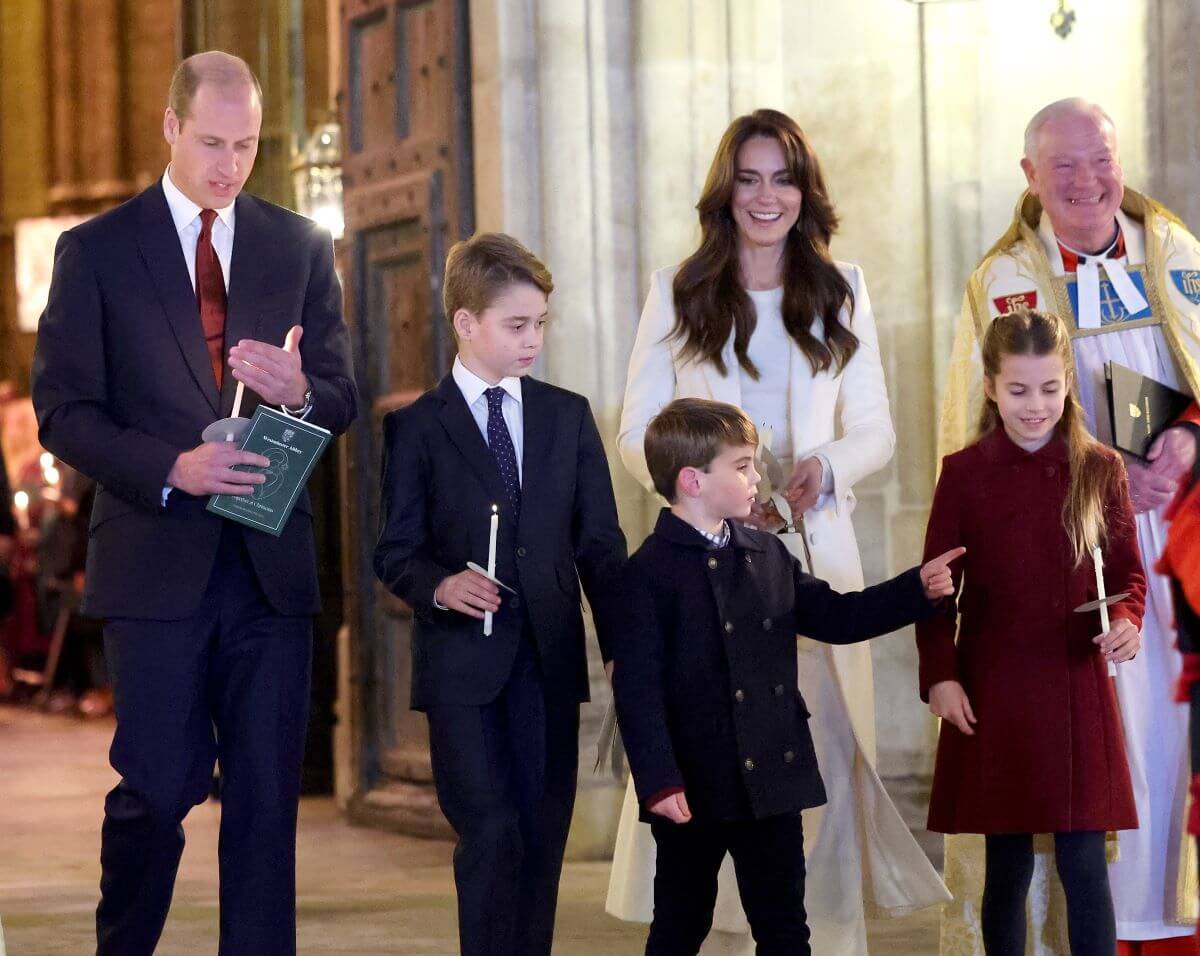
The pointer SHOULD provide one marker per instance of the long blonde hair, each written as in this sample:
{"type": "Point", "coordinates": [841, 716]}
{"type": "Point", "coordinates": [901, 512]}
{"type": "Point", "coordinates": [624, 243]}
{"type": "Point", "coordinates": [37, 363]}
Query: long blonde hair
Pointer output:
{"type": "Point", "coordinates": [1093, 471]}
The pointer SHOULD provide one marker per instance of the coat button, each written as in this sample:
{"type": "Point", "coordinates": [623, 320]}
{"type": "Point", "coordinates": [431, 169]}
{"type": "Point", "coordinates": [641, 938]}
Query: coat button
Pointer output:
{"type": "Point", "coordinates": [1049, 471]}
{"type": "Point", "coordinates": [520, 552]}
{"type": "Point", "coordinates": [778, 690]}
{"type": "Point", "coordinates": [748, 764]}
{"type": "Point", "coordinates": [739, 695]}
{"type": "Point", "coordinates": [515, 603]}
{"type": "Point", "coordinates": [729, 627]}
{"type": "Point", "coordinates": [748, 561]}
{"type": "Point", "coordinates": [788, 756]}
{"type": "Point", "coordinates": [768, 624]}
{"type": "Point", "coordinates": [712, 562]}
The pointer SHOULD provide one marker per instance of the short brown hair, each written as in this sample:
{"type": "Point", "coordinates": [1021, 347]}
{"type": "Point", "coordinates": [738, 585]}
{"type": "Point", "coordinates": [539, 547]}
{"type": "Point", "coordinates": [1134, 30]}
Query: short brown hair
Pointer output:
{"type": "Point", "coordinates": [690, 433]}
{"type": "Point", "coordinates": [479, 269]}
{"type": "Point", "coordinates": [211, 66]}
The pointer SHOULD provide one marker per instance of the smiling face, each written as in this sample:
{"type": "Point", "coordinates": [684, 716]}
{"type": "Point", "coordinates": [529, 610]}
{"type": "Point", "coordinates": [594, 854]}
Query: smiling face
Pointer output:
{"type": "Point", "coordinates": [766, 198]}
{"type": "Point", "coordinates": [1076, 173]}
{"type": "Point", "coordinates": [213, 148]}
{"type": "Point", "coordinates": [727, 486]}
{"type": "Point", "coordinates": [1030, 392]}
{"type": "Point", "coordinates": [504, 339]}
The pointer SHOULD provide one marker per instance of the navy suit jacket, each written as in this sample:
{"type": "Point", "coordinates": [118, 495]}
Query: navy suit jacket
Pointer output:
{"type": "Point", "coordinates": [705, 674]}
{"type": "Point", "coordinates": [122, 384]}
{"type": "Point", "coordinates": [440, 481]}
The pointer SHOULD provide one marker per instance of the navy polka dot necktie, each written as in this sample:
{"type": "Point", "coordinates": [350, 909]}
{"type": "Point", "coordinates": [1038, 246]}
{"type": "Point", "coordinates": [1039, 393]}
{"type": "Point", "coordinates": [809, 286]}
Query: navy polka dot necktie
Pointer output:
{"type": "Point", "coordinates": [500, 441]}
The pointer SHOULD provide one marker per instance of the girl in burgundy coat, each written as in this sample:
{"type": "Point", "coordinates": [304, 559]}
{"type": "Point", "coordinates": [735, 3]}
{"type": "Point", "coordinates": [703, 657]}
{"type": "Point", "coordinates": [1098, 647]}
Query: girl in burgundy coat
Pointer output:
{"type": "Point", "coordinates": [1031, 739]}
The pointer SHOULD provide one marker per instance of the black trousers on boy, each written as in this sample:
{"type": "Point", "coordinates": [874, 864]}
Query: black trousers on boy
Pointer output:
{"type": "Point", "coordinates": [505, 778]}
{"type": "Point", "coordinates": [768, 859]}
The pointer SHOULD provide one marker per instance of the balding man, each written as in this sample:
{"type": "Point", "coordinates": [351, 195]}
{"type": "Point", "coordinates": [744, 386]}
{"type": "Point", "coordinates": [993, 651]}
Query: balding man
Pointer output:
{"type": "Point", "coordinates": [157, 310]}
{"type": "Point", "coordinates": [1125, 274]}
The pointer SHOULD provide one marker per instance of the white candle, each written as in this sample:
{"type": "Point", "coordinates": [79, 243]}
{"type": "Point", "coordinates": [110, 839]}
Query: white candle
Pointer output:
{"type": "Point", "coordinates": [494, 528]}
{"type": "Point", "coordinates": [1098, 563]}
{"type": "Point", "coordinates": [21, 502]}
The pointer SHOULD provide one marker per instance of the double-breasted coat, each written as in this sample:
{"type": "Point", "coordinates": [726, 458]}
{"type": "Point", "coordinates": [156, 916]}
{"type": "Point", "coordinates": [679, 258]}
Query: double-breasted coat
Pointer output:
{"type": "Point", "coordinates": [705, 676]}
{"type": "Point", "coordinates": [1048, 752]}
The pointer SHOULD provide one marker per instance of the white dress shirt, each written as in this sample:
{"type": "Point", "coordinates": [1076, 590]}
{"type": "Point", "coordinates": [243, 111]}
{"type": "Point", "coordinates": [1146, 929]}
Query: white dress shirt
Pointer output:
{"type": "Point", "coordinates": [473, 388]}
{"type": "Point", "coordinates": [186, 215]}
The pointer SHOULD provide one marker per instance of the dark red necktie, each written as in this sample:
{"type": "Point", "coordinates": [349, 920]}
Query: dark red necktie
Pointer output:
{"type": "Point", "coordinates": [210, 294]}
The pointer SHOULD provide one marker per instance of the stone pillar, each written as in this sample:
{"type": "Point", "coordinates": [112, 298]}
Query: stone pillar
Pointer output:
{"type": "Point", "coordinates": [1173, 108]}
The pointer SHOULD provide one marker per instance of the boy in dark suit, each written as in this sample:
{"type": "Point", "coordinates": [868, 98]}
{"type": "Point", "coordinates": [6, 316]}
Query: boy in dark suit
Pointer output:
{"type": "Point", "coordinates": [706, 684]}
{"type": "Point", "coordinates": [503, 707]}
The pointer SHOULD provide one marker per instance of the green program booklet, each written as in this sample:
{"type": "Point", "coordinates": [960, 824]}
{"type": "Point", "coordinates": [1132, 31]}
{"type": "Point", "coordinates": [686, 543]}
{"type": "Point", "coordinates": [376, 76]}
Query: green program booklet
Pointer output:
{"type": "Point", "coordinates": [293, 446]}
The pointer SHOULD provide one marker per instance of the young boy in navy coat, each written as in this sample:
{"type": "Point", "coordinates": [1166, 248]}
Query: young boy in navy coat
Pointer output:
{"type": "Point", "coordinates": [503, 707]}
{"type": "Point", "coordinates": [706, 686]}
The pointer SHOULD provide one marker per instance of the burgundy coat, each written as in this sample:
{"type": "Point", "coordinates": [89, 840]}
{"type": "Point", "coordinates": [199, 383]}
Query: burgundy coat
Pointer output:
{"type": "Point", "coordinates": [1048, 753]}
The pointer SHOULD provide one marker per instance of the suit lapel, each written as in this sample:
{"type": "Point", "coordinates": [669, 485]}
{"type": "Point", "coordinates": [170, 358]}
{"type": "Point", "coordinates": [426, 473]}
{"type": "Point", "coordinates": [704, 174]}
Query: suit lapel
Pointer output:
{"type": "Point", "coordinates": [538, 430]}
{"type": "Point", "coordinates": [460, 426]}
{"type": "Point", "coordinates": [158, 243]}
{"type": "Point", "coordinates": [246, 271]}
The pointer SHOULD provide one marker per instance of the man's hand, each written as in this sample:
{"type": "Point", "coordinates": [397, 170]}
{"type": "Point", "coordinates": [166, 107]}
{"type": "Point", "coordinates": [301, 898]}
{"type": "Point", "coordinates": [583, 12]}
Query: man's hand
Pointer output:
{"type": "Point", "coordinates": [1121, 643]}
{"type": "Point", "coordinates": [948, 700]}
{"type": "Point", "coordinates": [936, 577]}
{"type": "Point", "coordinates": [468, 592]}
{"type": "Point", "coordinates": [1173, 453]}
{"type": "Point", "coordinates": [274, 373]}
{"type": "Point", "coordinates": [804, 489]}
{"type": "Point", "coordinates": [208, 470]}
{"type": "Point", "coordinates": [674, 808]}
{"type": "Point", "coordinates": [1149, 487]}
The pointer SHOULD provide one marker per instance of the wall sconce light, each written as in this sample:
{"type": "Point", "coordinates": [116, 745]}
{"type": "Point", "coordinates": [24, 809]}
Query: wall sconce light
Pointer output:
{"type": "Point", "coordinates": [317, 173]}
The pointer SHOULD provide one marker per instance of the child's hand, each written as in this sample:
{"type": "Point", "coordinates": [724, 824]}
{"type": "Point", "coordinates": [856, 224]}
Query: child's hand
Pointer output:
{"type": "Point", "coordinates": [935, 576]}
{"type": "Point", "coordinates": [948, 700]}
{"type": "Point", "coordinates": [468, 592]}
{"type": "Point", "coordinates": [1121, 643]}
{"type": "Point", "coordinates": [674, 808]}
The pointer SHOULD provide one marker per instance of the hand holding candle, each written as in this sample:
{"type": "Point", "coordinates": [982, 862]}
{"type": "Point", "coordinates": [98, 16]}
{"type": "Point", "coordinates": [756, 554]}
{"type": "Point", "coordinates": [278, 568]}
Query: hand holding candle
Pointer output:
{"type": "Point", "coordinates": [1105, 627]}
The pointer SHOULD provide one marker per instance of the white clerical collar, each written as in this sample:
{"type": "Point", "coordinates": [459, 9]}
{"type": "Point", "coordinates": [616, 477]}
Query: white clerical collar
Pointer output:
{"type": "Point", "coordinates": [184, 211]}
{"type": "Point", "coordinates": [472, 386]}
{"type": "Point", "coordinates": [1087, 273]}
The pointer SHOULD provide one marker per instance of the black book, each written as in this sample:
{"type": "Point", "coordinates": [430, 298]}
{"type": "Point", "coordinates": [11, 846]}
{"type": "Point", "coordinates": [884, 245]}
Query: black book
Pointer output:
{"type": "Point", "coordinates": [1140, 408]}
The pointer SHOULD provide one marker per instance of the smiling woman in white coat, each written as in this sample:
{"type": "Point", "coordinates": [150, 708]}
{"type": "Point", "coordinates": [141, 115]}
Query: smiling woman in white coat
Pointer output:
{"type": "Point", "coordinates": [762, 317]}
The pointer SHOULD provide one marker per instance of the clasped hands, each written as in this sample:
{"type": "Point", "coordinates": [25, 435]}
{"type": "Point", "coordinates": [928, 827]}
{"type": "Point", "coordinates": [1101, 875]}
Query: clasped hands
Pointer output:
{"type": "Point", "coordinates": [275, 374]}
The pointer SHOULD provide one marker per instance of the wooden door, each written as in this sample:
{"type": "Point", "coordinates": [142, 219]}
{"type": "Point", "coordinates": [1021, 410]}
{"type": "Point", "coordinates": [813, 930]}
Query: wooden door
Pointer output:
{"type": "Point", "coordinates": [405, 107]}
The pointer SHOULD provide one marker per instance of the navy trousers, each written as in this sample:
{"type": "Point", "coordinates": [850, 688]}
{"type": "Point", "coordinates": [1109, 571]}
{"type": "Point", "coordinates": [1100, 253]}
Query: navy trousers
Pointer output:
{"type": "Point", "coordinates": [231, 685]}
{"type": "Point", "coordinates": [505, 778]}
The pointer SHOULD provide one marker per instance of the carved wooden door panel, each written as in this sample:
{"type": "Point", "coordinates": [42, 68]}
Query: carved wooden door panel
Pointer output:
{"type": "Point", "coordinates": [407, 185]}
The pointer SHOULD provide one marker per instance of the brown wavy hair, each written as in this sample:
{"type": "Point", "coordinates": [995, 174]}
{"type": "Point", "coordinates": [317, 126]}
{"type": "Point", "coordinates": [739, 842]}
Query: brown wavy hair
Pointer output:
{"type": "Point", "coordinates": [710, 298]}
{"type": "Point", "coordinates": [1094, 472]}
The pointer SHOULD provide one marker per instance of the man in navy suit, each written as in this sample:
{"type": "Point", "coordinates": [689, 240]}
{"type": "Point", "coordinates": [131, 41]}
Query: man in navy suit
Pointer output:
{"type": "Point", "coordinates": [503, 707]}
{"type": "Point", "coordinates": [157, 309]}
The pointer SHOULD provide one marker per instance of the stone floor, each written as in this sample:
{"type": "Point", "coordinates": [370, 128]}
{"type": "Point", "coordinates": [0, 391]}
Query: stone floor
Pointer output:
{"type": "Point", "coordinates": [360, 891]}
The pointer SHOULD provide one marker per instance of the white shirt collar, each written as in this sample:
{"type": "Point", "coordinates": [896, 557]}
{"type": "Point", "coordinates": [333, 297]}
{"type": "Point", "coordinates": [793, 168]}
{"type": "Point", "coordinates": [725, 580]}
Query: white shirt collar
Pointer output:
{"type": "Point", "coordinates": [472, 386]}
{"type": "Point", "coordinates": [1135, 250]}
{"type": "Point", "coordinates": [183, 211]}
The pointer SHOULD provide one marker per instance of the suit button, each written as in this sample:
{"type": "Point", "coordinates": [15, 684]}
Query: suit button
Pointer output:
{"type": "Point", "coordinates": [748, 764]}
{"type": "Point", "coordinates": [739, 695]}
{"type": "Point", "coordinates": [712, 562]}
{"type": "Point", "coordinates": [788, 756]}
{"type": "Point", "coordinates": [515, 603]}
{"type": "Point", "coordinates": [767, 624]}
{"type": "Point", "coordinates": [520, 552]}
{"type": "Point", "coordinates": [778, 690]}
{"type": "Point", "coordinates": [729, 627]}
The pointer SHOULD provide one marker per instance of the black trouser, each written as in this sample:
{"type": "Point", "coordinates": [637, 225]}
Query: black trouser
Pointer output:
{"type": "Point", "coordinates": [1083, 871]}
{"type": "Point", "coordinates": [505, 778]}
{"type": "Point", "coordinates": [229, 684]}
{"type": "Point", "coordinates": [768, 859]}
